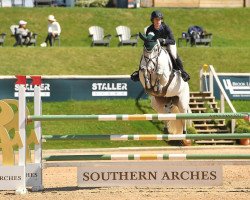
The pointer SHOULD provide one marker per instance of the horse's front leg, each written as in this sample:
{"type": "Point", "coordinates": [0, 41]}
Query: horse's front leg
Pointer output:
{"type": "Point", "coordinates": [146, 78]}
{"type": "Point", "coordinates": [157, 86]}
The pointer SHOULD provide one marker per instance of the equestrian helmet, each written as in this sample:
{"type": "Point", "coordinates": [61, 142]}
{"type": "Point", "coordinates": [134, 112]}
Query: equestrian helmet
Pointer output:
{"type": "Point", "coordinates": [156, 14]}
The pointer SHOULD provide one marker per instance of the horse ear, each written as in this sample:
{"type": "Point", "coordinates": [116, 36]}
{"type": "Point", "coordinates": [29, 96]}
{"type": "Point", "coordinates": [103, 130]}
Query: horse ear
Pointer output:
{"type": "Point", "coordinates": [142, 36]}
{"type": "Point", "coordinates": [154, 38]}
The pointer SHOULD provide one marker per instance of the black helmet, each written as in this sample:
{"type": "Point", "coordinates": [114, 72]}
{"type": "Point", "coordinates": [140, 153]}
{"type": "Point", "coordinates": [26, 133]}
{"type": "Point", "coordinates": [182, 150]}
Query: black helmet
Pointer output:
{"type": "Point", "coordinates": [156, 14]}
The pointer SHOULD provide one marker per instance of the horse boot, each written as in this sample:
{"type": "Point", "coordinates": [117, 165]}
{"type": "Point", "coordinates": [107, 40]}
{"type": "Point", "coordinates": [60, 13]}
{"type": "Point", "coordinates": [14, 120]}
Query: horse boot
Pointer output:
{"type": "Point", "coordinates": [185, 76]}
{"type": "Point", "coordinates": [158, 87]}
{"type": "Point", "coordinates": [135, 76]}
{"type": "Point", "coordinates": [186, 142]}
{"type": "Point", "coordinates": [147, 82]}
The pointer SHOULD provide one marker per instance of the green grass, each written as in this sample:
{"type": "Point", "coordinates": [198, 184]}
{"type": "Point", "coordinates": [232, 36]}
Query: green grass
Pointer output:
{"type": "Point", "coordinates": [114, 61]}
{"type": "Point", "coordinates": [93, 127]}
{"type": "Point", "coordinates": [229, 26]}
{"type": "Point", "coordinates": [230, 53]}
{"type": "Point", "coordinates": [117, 127]}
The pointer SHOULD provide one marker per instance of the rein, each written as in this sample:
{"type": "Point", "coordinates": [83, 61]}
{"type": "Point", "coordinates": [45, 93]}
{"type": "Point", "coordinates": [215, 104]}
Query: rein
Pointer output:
{"type": "Point", "coordinates": [155, 63]}
{"type": "Point", "coordinates": [147, 59]}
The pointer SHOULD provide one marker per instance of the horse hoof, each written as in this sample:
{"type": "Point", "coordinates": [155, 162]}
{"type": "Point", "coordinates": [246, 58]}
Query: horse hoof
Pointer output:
{"type": "Point", "coordinates": [175, 143]}
{"type": "Point", "coordinates": [187, 142]}
{"type": "Point", "coordinates": [148, 85]}
{"type": "Point", "coordinates": [155, 89]}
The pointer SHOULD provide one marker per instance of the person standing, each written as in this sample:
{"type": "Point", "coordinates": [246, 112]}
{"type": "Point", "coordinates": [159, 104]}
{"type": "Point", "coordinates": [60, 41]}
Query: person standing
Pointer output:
{"type": "Point", "coordinates": [54, 30]}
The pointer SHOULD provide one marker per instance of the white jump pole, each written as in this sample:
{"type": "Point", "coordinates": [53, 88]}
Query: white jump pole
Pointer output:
{"type": "Point", "coordinates": [36, 82]}
{"type": "Point", "coordinates": [21, 81]}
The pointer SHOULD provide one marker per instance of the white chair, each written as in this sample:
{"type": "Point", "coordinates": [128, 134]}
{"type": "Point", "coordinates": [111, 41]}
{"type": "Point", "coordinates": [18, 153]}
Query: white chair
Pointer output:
{"type": "Point", "coordinates": [98, 37]}
{"type": "Point", "coordinates": [125, 37]}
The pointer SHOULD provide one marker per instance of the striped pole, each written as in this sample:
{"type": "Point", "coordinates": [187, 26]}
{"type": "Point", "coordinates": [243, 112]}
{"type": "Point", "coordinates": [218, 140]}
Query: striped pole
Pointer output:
{"type": "Point", "coordinates": [146, 157]}
{"type": "Point", "coordinates": [140, 117]}
{"type": "Point", "coordinates": [167, 137]}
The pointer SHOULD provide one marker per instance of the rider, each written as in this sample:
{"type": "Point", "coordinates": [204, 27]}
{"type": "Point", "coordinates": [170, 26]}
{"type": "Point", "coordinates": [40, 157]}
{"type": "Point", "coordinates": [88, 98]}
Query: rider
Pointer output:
{"type": "Point", "coordinates": [166, 38]}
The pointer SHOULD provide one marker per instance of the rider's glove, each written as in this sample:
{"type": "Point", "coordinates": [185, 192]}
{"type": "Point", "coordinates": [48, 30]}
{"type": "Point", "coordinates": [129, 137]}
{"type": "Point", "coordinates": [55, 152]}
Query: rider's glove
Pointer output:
{"type": "Point", "coordinates": [162, 41]}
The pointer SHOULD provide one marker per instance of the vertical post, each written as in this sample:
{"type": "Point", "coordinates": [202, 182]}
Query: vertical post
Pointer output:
{"type": "Point", "coordinates": [201, 79]}
{"type": "Point", "coordinates": [222, 103]}
{"type": "Point", "coordinates": [203, 73]}
{"type": "Point", "coordinates": [21, 80]}
{"type": "Point", "coordinates": [233, 122]}
{"type": "Point", "coordinates": [36, 82]}
{"type": "Point", "coordinates": [211, 83]}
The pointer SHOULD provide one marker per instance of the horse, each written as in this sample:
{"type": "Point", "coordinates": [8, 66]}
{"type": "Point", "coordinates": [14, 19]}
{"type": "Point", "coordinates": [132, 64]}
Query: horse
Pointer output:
{"type": "Point", "coordinates": [168, 92]}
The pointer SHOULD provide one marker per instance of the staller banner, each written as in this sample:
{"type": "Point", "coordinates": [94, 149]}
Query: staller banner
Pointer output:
{"type": "Point", "coordinates": [63, 88]}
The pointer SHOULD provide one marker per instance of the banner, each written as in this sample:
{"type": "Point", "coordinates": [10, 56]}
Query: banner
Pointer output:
{"type": "Point", "coordinates": [148, 174]}
{"type": "Point", "coordinates": [237, 86]}
{"type": "Point", "coordinates": [63, 88]}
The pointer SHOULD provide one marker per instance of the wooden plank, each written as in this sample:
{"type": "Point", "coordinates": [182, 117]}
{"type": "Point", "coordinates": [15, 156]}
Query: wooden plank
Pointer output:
{"type": "Point", "coordinates": [221, 3]}
{"type": "Point", "coordinates": [247, 3]}
{"type": "Point", "coordinates": [201, 3]}
{"type": "Point", "coordinates": [177, 3]}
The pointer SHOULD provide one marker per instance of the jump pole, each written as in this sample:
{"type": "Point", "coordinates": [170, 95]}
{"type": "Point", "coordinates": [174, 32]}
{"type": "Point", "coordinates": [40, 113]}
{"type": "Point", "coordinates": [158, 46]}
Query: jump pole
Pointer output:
{"type": "Point", "coordinates": [36, 82]}
{"type": "Point", "coordinates": [141, 137]}
{"type": "Point", "coordinates": [21, 81]}
{"type": "Point", "coordinates": [140, 117]}
{"type": "Point", "coordinates": [120, 157]}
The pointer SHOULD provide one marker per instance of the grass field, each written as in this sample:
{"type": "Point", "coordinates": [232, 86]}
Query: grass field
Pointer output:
{"type": "Point", "coordinates": [230, 27]}
{"type": "Point", "coordinates": [230, 53]}
{"type": "Point", "coordinates": [114, 61]}
{"type": "Point", "coordinates": [117, 127]}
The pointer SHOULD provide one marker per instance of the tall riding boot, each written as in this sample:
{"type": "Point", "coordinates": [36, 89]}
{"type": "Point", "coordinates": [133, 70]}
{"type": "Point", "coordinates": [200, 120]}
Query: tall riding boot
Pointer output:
{"type": "Point", "coordinates": [184, 74]}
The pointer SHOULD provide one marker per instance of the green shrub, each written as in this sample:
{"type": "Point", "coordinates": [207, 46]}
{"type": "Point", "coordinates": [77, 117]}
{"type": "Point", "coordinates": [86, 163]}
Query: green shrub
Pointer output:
{"type": "Point", "coordinates": [242, 126]}
{"type": "Point", "coordinates": [91, 3]}
{"type": "Point", "coordinates": [191, 130]}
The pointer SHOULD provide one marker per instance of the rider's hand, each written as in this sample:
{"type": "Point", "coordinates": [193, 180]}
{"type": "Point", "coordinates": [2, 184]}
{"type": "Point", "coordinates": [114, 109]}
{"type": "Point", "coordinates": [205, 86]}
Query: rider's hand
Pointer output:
{"type": "Point", "coordinates": [162, 41]}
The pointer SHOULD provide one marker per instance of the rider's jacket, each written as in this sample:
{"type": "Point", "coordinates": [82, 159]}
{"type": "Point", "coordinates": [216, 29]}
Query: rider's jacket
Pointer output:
{"type": "Point", "coordinates": [164, 32]}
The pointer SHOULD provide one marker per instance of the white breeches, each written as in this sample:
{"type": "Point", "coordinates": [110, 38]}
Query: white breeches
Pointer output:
{"type": "Point", "coordinates": [173, 50]}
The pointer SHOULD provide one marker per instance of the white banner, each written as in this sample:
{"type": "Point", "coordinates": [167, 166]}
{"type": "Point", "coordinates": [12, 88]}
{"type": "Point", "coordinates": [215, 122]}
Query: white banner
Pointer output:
{"type": "Point", "coordinates": [33, 175]}
{"type": "Point", "coordinates": [148, 174]}
{"type": "Point", "coordinates": [11, 176]}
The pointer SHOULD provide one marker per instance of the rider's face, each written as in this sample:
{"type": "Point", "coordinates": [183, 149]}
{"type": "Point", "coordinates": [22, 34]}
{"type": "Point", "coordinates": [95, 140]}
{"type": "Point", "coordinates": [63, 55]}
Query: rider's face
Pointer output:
{"type": "Point", "coordinates": [157, 23]}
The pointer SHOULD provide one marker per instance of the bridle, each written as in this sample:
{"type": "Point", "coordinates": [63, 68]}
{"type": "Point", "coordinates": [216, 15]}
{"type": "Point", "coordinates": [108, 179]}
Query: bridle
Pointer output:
{"type": "Point", "coordinates": [154, 60]}
{"type": "Point", "coordinates": [148, 60]}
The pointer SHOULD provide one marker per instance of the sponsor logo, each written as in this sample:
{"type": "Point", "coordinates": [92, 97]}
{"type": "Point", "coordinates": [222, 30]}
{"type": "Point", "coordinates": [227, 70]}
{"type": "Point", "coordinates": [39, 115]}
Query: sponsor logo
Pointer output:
{"type": "Point", "coordinates": [148, 175]}
{"type": "Point", "coordinates": [139, 175]}
{"type": "Point", "coordinates": [45, 90]}
{"type": "Point", "coordinates": [109, 89]}
{"type": "Point", "coordinates": [237, 88]}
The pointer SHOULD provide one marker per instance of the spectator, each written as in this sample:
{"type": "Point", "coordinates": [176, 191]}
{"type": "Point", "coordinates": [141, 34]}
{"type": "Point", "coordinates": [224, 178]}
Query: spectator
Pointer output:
{"type": "Point", "coordinates": [54, 30]}
{"type": "Point", "coordinates": [22, 34]}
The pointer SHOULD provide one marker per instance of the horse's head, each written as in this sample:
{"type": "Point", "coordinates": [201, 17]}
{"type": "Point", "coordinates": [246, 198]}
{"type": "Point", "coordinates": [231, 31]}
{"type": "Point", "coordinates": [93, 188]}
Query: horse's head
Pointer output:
{"type": "Point", "coordinates": [155, 68]}
{"type": "Point", "coordinates": [151, 52]}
